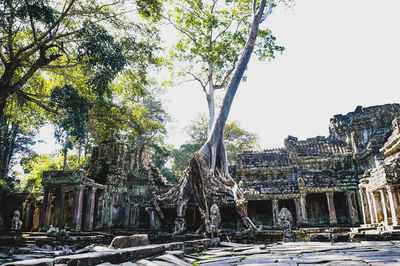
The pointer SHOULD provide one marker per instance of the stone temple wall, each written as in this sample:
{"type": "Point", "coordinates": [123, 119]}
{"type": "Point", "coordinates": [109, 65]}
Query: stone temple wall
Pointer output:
{"type": "Point", "coordinates": [318, 178]}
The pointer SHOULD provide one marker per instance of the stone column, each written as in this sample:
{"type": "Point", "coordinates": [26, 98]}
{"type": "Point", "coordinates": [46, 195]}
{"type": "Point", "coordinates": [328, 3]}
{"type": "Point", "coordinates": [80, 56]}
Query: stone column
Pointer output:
{"type": "Point", "coordinates": [393, 213]}
{"type": "Point", "coordinates": [374, 207]}
{"type": "Point", "coordinates": [100, 210]}
{"type": "Point", "coordinates": [370, 207]}
{"type": "Point", "coordinates": [351, 200]}
{"type": "Point", "coordinates": [59, 209]}
{"type": "Point", "coordinates": [385, 216]}
{"type": "Point", "coordinates": [363, 207]}
{"type": "Point", "coordinates": [331, 207]}
{"type": "Point", "coordinates": [78, 204]}
{"type": "Point", "coordinates": [298, 211]}
{"type": "Point", "coordinates": [90, 203]}
{"type": "Point", "coordinates": [44, 207]}
{"type": "Point", "coordinates": [303, 207]}
{"type": "Point", "coordinates": [275, 211]}
{"type": "Point", "coordinates": [154, 220]}
{"type": "Point", "coordinates": [47, 212]}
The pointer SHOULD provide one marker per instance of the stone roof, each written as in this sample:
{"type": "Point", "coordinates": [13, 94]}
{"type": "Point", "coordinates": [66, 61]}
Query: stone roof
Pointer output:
{"type": "Point", "coordinates": [266, 158]}
{"type": "Point", "coordinates": [317, 146]}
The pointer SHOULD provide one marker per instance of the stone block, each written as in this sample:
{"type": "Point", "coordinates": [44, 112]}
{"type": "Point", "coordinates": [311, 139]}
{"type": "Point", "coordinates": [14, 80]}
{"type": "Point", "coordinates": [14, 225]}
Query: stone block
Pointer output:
{"type": "Point", "coordinates": [130, 241]}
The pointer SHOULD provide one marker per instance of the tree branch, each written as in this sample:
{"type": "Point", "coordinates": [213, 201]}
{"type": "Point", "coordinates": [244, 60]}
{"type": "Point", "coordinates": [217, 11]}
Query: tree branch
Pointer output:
{"type": "Point", "coordinates": [44, 35]}
{"type": "Point", "coordinates": [39, 103]}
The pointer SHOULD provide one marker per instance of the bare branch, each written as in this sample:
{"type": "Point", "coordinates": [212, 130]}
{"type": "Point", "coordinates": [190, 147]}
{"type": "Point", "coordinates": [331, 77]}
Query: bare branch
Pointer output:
{"type": "Point", "coordinates": [39, 103]}
{"type": "Point", "coordinates": [181, 30]}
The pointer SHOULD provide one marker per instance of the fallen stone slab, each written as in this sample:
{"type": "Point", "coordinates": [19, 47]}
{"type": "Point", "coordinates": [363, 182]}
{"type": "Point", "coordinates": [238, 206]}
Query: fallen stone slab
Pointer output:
{"type": "Point", "coordinates": [173, 246]}
{"type": "Point", "coordinates": [233, 245]}
{"type": "Point", "coordinates": [224, 261]}
{"type": "Point", "coordinates": [145, 263]}
{"type": "Point", "coordinates": [35, 262]}
{"type": "Point", "coordinates": [176, 253]}
{"type": "Point", "coordinates": [172, 259]}
{"type": "Point", "coordinates": [130, 241]}
{"type": "Point", "coordinates": [199, 245]}
{"type": "Point", "coordinates": [94, 258]}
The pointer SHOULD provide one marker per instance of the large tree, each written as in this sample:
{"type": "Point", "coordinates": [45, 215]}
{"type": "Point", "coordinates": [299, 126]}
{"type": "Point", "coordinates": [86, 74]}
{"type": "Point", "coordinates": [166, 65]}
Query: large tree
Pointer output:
{"type": "Point", "coordinates": [236, 141]}
{"type": "Point", "coordinates": [212, 37]}
{"type": "Point", "coordinates": [38, 37]}
{"type": "Point", "coordinates": [207, 179]}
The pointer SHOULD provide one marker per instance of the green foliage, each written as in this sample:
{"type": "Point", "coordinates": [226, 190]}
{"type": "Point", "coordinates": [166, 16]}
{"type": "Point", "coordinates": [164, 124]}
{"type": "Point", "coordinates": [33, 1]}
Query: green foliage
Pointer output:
{"type": "Point", "coordinates": [136, 115]}
{"type": "Point", "coordinates": [212, 38]}
{"type": "Point", "coordinates": [161, 156]}
{"type": "Point", "coordinates": [72, 113]}
{"type": "Point", "coordinates": [35, 165]}
{"type": "Point", "coordinates": [103, 56]}
{"type": "Point", "coordinates": [149, 8]}
{"type": "Point", "coordinates": [37, 10]}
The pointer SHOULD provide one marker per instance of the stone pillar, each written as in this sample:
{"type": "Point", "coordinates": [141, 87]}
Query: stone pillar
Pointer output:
{"type": "Point", "coordinates": [154, 220]}
{"type": "Point", "coordinates": [47, 212]}
{"type": "Point", "coordinates": [385, 216]}
{"type": "Point", "coordinates": [364, 207]}
{"type": "Point", "coordinates": [275, 211]}
{"type": "Point", "coordinates": [134, 216]}
{"type": "Point", "coordinates": [370, 207]}
{"type": "Point", "coordinates": [78, 204]}
{"type": "Point", "coordinates": [351, 200]}
{"type": "Point", "coordinates": [59, 209]}
{"type": "Point", "coordinates": [44, 207]}
{"type": "Point", "coordinates": [90, 203]}
{"type": "Point", "coordinates": [298, 211]}
{"type": "Point", "coordinates": [331, 207]}
{"type": "Point", "coordinates": [100, 211]}
{"type": "Point", "coordinates": [371, 194]}
{"type": "Point", "coordinates": [393, 213]}
{"type": "Point", "coordinates": [379, 207]}
{"type": "Point", "coordinates": [303, 207]}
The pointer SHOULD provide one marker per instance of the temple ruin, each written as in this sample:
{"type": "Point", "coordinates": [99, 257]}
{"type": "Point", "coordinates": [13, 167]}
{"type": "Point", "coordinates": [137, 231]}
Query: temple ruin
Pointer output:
{"type": "Point", "coordinates": [317, 179]}
{"type": "Point", "coordinates": [346, 179]}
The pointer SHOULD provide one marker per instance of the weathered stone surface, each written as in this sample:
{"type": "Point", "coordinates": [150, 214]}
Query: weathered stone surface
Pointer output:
{"type": "Point", "coordinates": [36, 262]}
{"type": "Point", "coordinates": [172, 259]}
{"type": "Point", "coordinates": [94, 258]}
{"type": "Point", "coordinates": [130, 241]}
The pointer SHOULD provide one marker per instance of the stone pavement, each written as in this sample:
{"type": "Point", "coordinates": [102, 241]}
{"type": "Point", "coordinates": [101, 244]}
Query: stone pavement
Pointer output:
{"type": "Point", "coordinates": [295, 253]}
{"type": "Point", "coordinates": [301, 253]}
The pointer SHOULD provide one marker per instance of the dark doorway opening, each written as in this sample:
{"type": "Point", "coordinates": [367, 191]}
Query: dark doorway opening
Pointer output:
{"type": "Point", "coordinates": [317, 209]}
{"type": "Point", "coordinates": [342, 214]}
{"type": "Point", "coordinates": [260, 212]}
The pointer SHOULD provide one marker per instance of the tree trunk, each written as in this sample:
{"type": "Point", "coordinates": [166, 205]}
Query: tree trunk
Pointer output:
{"type": "Point", "coordinates": [3, 134]}
{"type": "Point", "coordinates": [65, 153]}
{"type": "Point", "coordinates": [10, 149]}
{"type": "Point", "coordinates": [207, 179]}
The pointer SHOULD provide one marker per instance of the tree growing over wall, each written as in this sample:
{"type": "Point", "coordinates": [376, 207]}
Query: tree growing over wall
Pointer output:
{"type": "Point", "coordinates": [207, 178]}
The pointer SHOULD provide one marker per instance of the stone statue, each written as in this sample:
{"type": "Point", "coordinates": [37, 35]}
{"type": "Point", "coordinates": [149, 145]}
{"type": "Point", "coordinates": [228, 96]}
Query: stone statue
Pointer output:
{"type": "Point", "coordinates": [16, 223]}
{"type": "Point", "coordinates": [215, 217]}
{"type": "Point", "coordinates": [285, 221]}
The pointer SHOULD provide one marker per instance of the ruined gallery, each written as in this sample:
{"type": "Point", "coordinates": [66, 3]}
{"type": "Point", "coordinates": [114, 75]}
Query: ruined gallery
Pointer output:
{"type": "Point", "coordinates": [345, 179]}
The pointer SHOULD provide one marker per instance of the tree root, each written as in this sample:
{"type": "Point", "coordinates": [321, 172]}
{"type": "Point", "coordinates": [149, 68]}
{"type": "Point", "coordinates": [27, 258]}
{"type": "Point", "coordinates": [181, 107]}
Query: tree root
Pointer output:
{"type": "Point", "coordinates": [201, 187]}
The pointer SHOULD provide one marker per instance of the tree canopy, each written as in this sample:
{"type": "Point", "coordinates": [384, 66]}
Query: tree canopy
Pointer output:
{"type": "Point", "coordinates": [212, 37]}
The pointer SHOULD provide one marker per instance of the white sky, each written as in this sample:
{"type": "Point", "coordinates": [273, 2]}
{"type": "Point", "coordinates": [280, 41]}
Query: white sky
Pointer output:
{"type": "Point", "coordinates": [339, 54]}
